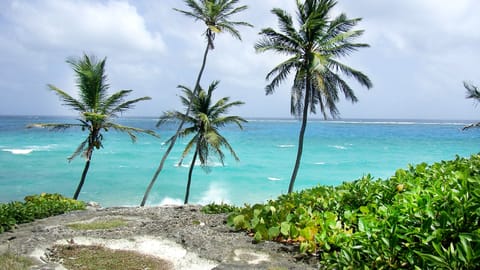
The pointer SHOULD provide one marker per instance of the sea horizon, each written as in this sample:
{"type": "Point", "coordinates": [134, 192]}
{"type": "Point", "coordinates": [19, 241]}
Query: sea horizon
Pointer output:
{"type": "Point", "coordinates": [311, 118]}
{"type": "Point", "coordinates": [34, 160]}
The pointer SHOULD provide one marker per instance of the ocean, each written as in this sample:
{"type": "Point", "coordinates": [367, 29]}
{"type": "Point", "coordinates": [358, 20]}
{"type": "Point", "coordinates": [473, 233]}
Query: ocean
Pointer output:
{"type": "Point", "coordinates": [33, 161]}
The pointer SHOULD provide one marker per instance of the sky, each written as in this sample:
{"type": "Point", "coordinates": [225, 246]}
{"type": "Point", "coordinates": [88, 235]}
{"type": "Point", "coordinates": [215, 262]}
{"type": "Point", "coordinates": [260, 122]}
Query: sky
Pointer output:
{"type": "Point", "coordinates": [420, 53]}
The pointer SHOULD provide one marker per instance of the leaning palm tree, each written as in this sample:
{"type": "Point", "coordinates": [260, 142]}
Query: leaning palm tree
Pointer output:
{"type": "Point", "coordinates": [203, 125]}
{"type": "Point", "coordinates": [96, 109]}
{"type": "Point", "coordinates": [313, 50]}
{"type": "Point", "coordinates": [473, 93]}
{"type": "Point", "coordinates": [216, 16]}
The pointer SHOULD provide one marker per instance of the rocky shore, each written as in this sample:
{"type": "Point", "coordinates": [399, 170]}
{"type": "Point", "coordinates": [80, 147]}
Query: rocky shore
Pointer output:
{"type": "Point", "coordinates": [182, 235]}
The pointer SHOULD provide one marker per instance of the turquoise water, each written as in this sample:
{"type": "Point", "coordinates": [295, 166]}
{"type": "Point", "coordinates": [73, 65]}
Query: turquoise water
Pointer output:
{"type": "Point", "coordinates": [35, 160]}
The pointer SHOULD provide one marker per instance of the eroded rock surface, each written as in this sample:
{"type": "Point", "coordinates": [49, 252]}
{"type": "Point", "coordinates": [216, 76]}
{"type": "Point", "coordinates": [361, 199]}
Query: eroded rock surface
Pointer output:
{"type": "Point", "coordinates": [207, 242]}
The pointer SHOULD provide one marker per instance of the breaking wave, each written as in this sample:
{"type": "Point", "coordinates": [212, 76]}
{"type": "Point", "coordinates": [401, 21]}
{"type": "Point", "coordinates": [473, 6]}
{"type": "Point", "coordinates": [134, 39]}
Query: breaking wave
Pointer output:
{"type": "Point", "coordinates": [216, 193]}
{"type": "Point", "coordinates": [19, 151]}
{"type": "Point", "coordinates": [286, 145]}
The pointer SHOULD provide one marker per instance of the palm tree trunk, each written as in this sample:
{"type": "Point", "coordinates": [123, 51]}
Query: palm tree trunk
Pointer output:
{"type": "Point", "coordinates": [301, 136]}
{"type": "Point", "coordinates": [84, 173]}
{"type": "Point", "coordinates": [180, 126]}
{"type": "Point", "coordinates": [190, 171]}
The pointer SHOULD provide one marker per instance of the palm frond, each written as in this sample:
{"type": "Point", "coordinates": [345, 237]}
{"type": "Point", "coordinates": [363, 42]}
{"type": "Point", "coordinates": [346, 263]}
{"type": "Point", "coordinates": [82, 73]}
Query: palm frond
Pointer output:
{"type": "Point", "coordinates": [229, 10]}
{"type": "Point", "coordinates": [188, 148]}
{"type": "Point", "coordinates": [187, 95]}
{"type": "Point", "coordinates": [474, 125]}
{"type": "Point", "coordinates": [126, 106]}
{"type": "Point", "coordinates": [114, 100]}
{"type": "Point", "coordinates": [272, 40]}
{"type": "Point", "coordinates": [203, 149]}
{"type": "Point", "coordinates": [223, 107]}
{"type": "Point", "coordinates": [229, 28]}
{"type": "Point", "coordinates": [224, 143]}
{"type": "Point", "coordinates": [359, 76]}
{"type": "Point", "coordinates": [341, 24]}
{"type": "Point", "coordinates": [280, 73]}
{"type": "Point", "coordinates": [167, 116]}
{"type": "Point", "coordinates": [223, 121]}
{"type": "Point", "coordinates": [91, 80]}
{"type": "Point", "coordinates": [327, 94]}
{"type": "Point", "coordinates": [68, 100]}
{"type": "Point", "coordinates": [197, 17]}
{"type": "Point", "coordinates": [338, 83]}
{"type": "Point", "coordinates": [54, 126]}
{"type": "Point", "coordinates": [341, 45]}
{"type": "Point", "coordinates": [285, 24]}
{"type": "Point", "coordinates": [131, 131]}
{"type": "Point", "coordinates": [297, 93]}
{"type": "Point", "coordinates": [82, 147]}
{"type": "Point", "coordinates": [472, 91]}
{"type": "Point", "coordinates": [175, 116]}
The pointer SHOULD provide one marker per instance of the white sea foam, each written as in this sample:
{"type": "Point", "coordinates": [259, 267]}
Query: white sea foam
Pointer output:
{"type": "Point", "coordinates": [320, 163]}
{"type": "Point", "coordinates": [396, 122]}
{"type": "Point", "coordinates": [198, 163]}
{"type": "Point", "coordinates": [273, 120]}
{"type": "Point", "coordinates": [216, 193]}
{"type": "Point", "coordinates": [274, 179]}
{"type": "Point", "coordinates": [286, 145]}
{"type": "Point", "coordinates": [25, 150]}
{"type": "Point", "coordinates": [171, 201]}
{"type": "Point", "coordinates": [42, 147]}
{"type": "Point", "coordinates": [215, 164]}
{"type": "Point", "coordinates": [341, 147]}
{"type": "Point", "coordinates": [19, 151]}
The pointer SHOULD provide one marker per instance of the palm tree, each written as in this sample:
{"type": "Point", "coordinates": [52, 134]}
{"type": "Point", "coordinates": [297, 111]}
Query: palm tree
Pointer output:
{"type": "Point", "coordinates": [96, 109]}
{"type": "Point", "coordinates": [215, 14]}
{"type": "Point", "coordinates": [203, 123]}
{"type": "Point", "coordinates": [313, 50]}
{"type": "Point", "coordinates": [473, 93]}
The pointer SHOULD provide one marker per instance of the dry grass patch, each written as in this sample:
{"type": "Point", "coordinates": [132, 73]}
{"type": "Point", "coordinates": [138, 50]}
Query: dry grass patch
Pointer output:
{"type": "Point", "coordinates": [81, 257]}
{"type": "Point", "coordinates": [13, 261]}
{"type": "Point", "coordinates": [98, 225]}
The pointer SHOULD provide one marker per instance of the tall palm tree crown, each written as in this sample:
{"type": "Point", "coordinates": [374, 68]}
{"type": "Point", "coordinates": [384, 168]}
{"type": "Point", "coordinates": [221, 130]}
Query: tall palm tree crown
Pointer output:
{"type": "Point", "coordinates": [473, 93]}
{"type": "Point", "coordinates": [313, 49]}
{"type": "Point", "coordinates": [96, 108]}
{"type": "Point", "coordinates": [215, 14]}
{"type": "Point", "coordinates": [203, 124]}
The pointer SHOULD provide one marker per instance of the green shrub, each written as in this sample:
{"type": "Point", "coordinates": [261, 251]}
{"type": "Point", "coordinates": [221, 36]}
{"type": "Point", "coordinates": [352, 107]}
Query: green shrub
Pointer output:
{"type": "Point", "coordinates": [424, 217]}
{"type": "Point", "coordinates": [222, 208]}
{"type": "Point", "coordinates": [35, 207]}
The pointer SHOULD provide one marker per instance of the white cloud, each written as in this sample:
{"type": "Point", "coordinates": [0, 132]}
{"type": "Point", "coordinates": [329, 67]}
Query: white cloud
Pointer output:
{"type": "Point", "coordinates": [83, 25]}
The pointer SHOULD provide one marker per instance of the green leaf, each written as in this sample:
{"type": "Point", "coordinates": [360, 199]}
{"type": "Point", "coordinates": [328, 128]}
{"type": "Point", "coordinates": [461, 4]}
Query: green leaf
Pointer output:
{"type": "Point", "coordinates": [239, 222]}
{"type": "Point", "coordinates": [257, 237]}
{"type": "Point", "coordinates": [364, 210]}
{"type": "Point", "coordinates": [285, 228]}
{"type": "Point", "coordinates": [435, 260]}
{"type": "Point", "coordinates": [304, 246]}
{"type": "Point", "coordinates": [273, 232]}
{"type": "Point", "coordinates": [361, 225]}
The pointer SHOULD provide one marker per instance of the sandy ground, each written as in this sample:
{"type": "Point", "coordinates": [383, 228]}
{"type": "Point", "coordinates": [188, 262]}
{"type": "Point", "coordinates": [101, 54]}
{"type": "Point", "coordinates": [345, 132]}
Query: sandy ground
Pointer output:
{"type": "Point", "coordinates": [179, 234]}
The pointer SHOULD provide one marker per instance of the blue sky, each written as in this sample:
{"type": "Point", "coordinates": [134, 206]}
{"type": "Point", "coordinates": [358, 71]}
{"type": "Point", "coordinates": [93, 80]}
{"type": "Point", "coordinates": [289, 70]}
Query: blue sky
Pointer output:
{"type": "Point", "coordinates": [421, 52]}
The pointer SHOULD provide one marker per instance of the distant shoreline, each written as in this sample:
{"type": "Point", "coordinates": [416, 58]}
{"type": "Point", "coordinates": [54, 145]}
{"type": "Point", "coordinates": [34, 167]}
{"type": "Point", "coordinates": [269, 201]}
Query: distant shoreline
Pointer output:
{"type": "Point", "coordinates": [312, 119]}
